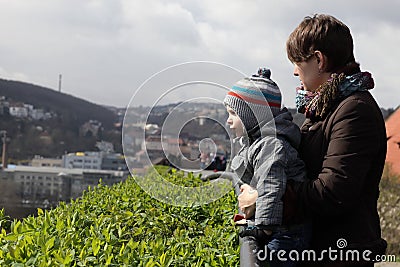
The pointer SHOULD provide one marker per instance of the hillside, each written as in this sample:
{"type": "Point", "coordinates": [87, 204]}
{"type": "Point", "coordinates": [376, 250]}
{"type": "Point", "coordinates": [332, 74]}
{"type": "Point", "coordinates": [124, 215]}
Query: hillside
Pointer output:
{"type": "Point", "coordinates": [67, 106]}
{"type": "Point", "coordinates": [57, 134]}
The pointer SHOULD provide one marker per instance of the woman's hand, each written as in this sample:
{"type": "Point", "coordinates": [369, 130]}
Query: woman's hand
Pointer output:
{"type": "Point", "coordinates": [247, 200]}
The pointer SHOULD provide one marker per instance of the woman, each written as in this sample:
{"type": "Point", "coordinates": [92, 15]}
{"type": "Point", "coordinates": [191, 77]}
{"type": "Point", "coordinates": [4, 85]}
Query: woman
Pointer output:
{"type": "Point", "coordinates": [343, 144]}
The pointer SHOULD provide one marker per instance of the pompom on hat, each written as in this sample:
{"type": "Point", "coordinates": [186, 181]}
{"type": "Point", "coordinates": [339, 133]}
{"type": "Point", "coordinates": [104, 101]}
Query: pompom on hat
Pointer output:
{"type": "Point", "coordinates": [255, 99]}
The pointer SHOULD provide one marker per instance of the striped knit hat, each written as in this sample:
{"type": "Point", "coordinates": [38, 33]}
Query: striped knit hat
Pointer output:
{"type": "Point", "coordinates": [255, 99]}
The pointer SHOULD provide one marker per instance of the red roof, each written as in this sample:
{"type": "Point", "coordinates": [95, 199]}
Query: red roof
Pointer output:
{"type": "Point", "coordinates": [393, 143]}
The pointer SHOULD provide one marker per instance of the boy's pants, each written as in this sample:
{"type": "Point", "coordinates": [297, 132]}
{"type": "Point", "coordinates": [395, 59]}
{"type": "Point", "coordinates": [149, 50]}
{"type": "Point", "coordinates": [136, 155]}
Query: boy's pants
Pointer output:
{"type": "Point", "coordinates": [284, 248]}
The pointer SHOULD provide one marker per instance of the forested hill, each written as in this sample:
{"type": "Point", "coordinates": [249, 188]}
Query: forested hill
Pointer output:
{"type": "Point", "coordinates": [63, 125]}
{"type": "Point", "coordinates": [71, 109]}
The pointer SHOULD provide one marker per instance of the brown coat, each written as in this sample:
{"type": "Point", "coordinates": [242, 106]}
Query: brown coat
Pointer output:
{"type": "Point", "coordinates": [344, 155]}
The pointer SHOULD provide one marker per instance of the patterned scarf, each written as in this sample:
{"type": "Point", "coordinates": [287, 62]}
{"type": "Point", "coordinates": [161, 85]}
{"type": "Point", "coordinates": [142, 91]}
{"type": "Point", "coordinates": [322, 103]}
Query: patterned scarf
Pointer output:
{"type": "Point", "coordinates": [315, 105]}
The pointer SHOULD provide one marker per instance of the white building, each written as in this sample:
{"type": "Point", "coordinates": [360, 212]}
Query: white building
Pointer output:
{"type": "Point", "coordinates": [35, 184]}
{"type": "Point", "coordinates": [94, 160]}
{"type": "Point", "coordinates": [39, 161]}
{"type": "Point", "coordinates": [18, 111]}
{"type": "Point", "coordinates": [37, 114]}
{"type": "Point", "coordinates": [82, 160]}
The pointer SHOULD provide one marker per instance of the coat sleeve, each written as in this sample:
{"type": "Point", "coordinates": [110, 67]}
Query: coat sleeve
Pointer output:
{"type": "Point", "coordinates": [352, 145]}
{"type": "Point", "coordinates": [270, 181]}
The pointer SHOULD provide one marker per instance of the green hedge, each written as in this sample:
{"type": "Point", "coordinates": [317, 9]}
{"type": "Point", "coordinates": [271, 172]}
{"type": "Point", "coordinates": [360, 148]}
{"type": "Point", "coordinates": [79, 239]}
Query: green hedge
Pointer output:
{"type": "Point", "coordinates": [123, 226]}
{"type": "Point", "coordinates": [389, 211]}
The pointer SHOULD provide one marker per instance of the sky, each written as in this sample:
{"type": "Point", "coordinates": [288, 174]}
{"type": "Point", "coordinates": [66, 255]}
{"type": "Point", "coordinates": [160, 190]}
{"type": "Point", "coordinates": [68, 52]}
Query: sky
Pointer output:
{"type": "Point", "coordinates": [121, 52]}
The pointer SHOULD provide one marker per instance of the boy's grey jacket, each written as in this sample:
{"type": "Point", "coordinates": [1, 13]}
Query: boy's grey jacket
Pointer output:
{"type": "Point", "coordinates": [268, 162]}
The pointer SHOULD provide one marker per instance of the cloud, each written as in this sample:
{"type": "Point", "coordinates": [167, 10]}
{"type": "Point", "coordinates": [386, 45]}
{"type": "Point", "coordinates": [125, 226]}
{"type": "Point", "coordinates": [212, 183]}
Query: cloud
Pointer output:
{"type": "Point", "coordinates": [107, 49]}
{"type": "Point", "coordinates": [381, 59]}
{"type": "Point", "coordinates": [158, 23]}
{"type": "Point", "coordinates": [12, 75]}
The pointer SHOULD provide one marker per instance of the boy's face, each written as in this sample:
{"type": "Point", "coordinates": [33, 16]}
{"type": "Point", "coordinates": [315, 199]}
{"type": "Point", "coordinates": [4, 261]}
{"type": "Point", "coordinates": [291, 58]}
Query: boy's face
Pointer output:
{"type": "Point", "coordinates": [235, 123]}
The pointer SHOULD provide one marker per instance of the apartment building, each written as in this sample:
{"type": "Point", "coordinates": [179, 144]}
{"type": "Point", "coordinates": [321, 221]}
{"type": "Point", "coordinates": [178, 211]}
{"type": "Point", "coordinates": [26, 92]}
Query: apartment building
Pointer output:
{"type": "Point", "coordinates": [36, 184]}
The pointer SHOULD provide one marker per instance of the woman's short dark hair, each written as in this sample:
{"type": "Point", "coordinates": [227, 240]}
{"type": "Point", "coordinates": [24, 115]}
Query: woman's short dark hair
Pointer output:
{"type": "Point", "coordinates": [324, 33]}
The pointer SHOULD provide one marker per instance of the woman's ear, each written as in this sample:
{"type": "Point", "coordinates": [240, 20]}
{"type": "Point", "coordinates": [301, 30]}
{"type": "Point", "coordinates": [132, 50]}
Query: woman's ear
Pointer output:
{"type": "Point", "coordinates": [322, 60]}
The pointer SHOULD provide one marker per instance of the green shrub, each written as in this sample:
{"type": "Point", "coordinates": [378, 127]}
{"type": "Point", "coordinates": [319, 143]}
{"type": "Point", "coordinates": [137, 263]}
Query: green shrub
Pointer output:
{"type": "Point", "coordinates": [389, 211]}
{"type": "Point", "coordinates": [123, 226]}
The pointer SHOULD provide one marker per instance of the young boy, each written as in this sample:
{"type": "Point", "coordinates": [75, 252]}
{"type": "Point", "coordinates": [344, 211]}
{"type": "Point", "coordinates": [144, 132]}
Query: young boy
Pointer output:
{"type": "Point", "coordinates": [265, 162]}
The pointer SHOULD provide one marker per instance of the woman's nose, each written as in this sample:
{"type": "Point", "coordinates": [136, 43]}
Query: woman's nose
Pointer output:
{"type": "Point", "coordinates": [296, 70]}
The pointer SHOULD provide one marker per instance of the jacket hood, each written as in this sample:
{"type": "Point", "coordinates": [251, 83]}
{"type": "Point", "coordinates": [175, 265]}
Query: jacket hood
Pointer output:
{"type": "Point", "coordinates": [282, 126]}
